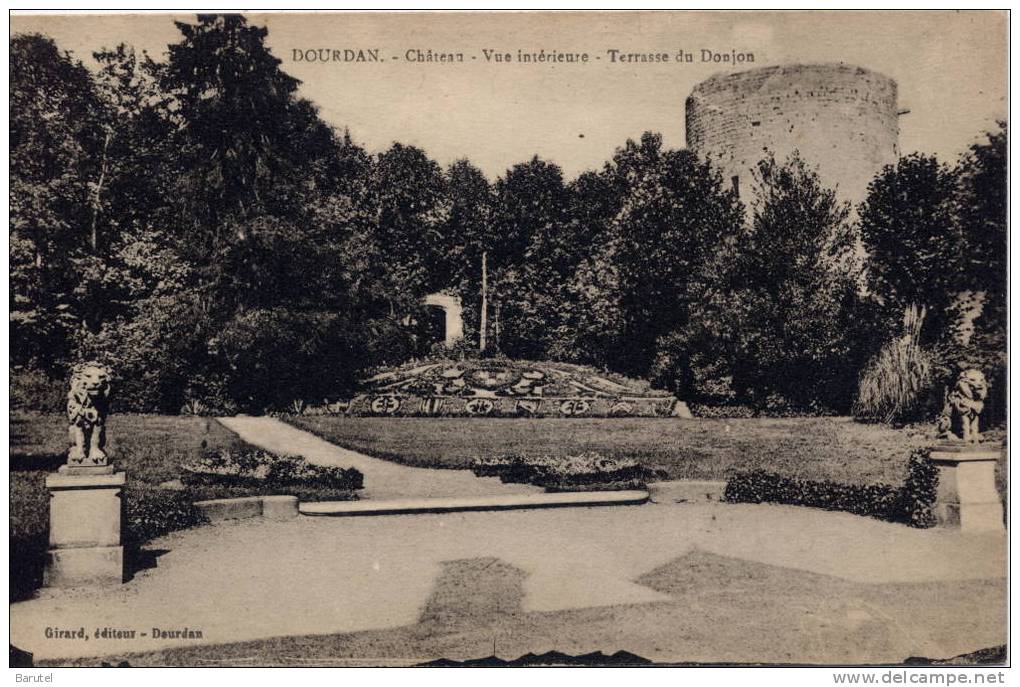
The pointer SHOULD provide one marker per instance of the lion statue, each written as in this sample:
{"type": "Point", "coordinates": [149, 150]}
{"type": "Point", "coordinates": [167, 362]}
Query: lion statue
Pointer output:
{"type": "Point", "coordinates": [964, 404]}
{"type": "Point", "coordinates": [88, 402]}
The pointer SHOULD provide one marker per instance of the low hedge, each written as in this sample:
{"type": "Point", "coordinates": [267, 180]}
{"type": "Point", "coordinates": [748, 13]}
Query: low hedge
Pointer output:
{"type": "Point", "coordinates": [261, 469]}
{"type": "Point", "coordinates": [151, 512]}
{"type": "Point", "coordinates": [583, 471]}
{"type": "Point", "coordinates": [912, 503]}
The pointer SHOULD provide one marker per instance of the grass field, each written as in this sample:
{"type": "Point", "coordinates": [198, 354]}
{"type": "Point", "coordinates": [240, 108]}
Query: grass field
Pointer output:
{"type": "Point", "coordinates": [151, 448]}
{"type": "Point", "coordinates": [809, 448]}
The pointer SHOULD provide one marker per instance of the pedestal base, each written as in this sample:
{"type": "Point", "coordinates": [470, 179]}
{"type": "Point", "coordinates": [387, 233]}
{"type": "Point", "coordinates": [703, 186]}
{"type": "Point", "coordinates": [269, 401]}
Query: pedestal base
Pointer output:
{"type": "Point", "coordinates": [85, 530]}
{"type": "Point", "coordinates": [86, 567]}
{"type": "Point", "coordinates": [967, 499]}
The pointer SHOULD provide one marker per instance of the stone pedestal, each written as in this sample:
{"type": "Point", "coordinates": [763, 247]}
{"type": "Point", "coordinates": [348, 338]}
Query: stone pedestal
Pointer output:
{"type": "Point", "coordinates": [85, 534]}
{"type": "Point", "coordinates": [967, 499]}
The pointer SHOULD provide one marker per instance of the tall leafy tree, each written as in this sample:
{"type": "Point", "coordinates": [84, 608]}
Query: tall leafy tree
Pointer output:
{"type": "Point", "coordinates": [983, 221]}
{"type": "Point", "coordinates": [914, 242]}
{"type": "Point", "coordinates": [533, 255]}
{"type": "Point", "coordinates": [592, 329]}
{"type": "Point", "coordinates": [413, 210]}
{"type": "Point", "coordinates": [797, 333]}
{"type": "Point", "coordinates": [247, 141]}
{"type": "Point", "coordinates": [777, 322]}
{"type": "Point", "coordinates": [138, 159]}
{"type": "Point", "coordinates": [132, 254]}
{"type": "Point", "coordinates": [469, 234]}
{"type": "Point", "coordinates": [56, 148]}
{"type": "Point", "coordinates": [982, 215]}
{"type": "Point", "coordinates": [343, 220]}
{"type": "Point", "coordinates": [673, 222]}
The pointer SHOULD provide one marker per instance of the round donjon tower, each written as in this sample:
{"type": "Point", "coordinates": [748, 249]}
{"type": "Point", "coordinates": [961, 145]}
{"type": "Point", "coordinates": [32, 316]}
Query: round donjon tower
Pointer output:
{"type": "Point", "coordinates": [842, 119]}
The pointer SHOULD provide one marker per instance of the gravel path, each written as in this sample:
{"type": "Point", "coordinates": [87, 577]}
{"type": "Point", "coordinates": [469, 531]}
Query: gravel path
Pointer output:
{"type": "Point", "coordinates": [383, 479]}
{"type": "Point", "coordinates": [254, 579]}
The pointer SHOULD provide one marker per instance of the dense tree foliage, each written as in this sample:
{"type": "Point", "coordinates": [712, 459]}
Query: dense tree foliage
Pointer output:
{"type": "Point", "coordinates": [915, 243]}
{"type": "Point", "coordinates": [56, 142]}
{"type": "Point", "coordinates": [982, 207]}
{"type": "Point", "coordinates": [194, 223]}
{"type": "Point", "coordinates": [936, 237]}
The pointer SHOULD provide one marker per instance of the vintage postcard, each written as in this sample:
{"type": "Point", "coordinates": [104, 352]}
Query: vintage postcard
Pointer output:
{"type": "Point", "coordinates": [501, 339]}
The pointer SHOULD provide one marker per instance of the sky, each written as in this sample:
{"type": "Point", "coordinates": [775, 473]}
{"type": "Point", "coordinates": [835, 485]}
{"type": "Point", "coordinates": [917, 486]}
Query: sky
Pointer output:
{"type": "Point", "coordinates": [951, 67]}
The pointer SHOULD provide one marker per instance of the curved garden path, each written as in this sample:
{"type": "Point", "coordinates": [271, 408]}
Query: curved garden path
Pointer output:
{"type": "Point", "coordinates": [383, 479]}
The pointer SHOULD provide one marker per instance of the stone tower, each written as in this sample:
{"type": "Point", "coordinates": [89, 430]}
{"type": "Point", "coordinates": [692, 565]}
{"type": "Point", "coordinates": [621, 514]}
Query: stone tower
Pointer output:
{"type": "Point", "coordinates": [842, 119]}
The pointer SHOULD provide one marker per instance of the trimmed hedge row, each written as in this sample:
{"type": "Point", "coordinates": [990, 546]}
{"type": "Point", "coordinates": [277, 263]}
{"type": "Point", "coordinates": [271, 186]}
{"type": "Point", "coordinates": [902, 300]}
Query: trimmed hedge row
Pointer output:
{"type": "Point", "coordinates": [912, 503]}
{"type": "Point", "coordinates": [151, 512]}
{"type": "Point", "coordinates": [567, 473]}
{"type": "Point", "coordinates": [257, 468]}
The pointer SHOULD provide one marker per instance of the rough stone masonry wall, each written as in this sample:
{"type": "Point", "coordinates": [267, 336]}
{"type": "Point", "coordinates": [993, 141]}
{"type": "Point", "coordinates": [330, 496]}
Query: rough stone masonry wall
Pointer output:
{"type": "Point", "coordinates": [842, 119]}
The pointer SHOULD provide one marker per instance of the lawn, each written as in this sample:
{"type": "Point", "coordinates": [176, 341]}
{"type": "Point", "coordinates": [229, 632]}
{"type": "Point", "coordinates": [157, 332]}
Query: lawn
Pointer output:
{"type": "Point", "coordinates": [151, 448]}
{"type": "Point", "coordinates": [809, 448]}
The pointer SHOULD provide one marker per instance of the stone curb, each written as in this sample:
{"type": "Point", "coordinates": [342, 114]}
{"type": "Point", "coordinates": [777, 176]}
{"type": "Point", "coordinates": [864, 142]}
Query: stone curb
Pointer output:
{"type": "Point", "coordinates": [687, 491]}
{"type": "Point", "coordinates": [272, 507]}
{"type": "Point", "coordinates": [481, 503]}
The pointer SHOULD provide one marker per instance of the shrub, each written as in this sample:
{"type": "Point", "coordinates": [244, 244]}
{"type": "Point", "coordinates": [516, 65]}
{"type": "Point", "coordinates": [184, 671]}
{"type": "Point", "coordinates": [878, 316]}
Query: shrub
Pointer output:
{"type": "Point", "coordinates": [917, 496]}
{"type": "Point", "coordinates": [569, 472]}
{"type": "Point", "coordinates": [896, 385]}
{"type": "Point", "coordinates": [260, 468]}
{"type": "Point", "coordinates": [31, 389]}
{"type": "Point", "coordinates": [728, 412]}
{"type": "Point", "coordinates": [913, 503]}
{"type": "Point", "coordinates": [774, 407]}
{"type": "Point", "coordinates": [29, 527]}
{"type": "Point", "coordinates": [151, 512]}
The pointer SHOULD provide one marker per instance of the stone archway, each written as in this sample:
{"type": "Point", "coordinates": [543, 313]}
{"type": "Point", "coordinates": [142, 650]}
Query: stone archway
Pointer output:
{"type": "Point", "coordinates": [454, 315]}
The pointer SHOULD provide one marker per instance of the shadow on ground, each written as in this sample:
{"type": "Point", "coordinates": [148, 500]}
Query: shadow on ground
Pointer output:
{"type": "Point", "coordinates": [139, 559]}
{"type": "Point", "coordinates": [722, 611]}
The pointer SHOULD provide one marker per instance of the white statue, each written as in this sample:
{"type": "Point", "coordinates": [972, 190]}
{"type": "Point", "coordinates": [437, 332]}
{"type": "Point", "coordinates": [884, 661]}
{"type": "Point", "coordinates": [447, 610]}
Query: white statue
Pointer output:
{"type": "Point", "coordinates": [88, 403]}
{"type": "Point", "coordinates": [964, 404]}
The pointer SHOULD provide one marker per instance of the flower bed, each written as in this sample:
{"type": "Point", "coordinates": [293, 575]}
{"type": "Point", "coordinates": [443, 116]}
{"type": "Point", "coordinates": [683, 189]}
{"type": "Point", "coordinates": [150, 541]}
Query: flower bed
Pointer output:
{"type": "Point", "coordinates": [578, 472]}
{"type": "Point", "coordinates": [502, 388]}
{"type": "Point", "coordinates": [913, 503]}
{"type": "Point", "coordinates": [394, 405]}
{"type": "Point", "coordinates": [262, 469]}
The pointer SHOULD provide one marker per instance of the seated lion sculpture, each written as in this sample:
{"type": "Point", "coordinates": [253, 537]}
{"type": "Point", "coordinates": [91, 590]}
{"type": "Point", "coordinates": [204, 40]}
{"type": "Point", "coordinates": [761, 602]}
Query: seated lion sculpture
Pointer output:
{"type": "Point", "coordinates": [964, 404]}
{"type": "Point", "coordinates": [88, 402]}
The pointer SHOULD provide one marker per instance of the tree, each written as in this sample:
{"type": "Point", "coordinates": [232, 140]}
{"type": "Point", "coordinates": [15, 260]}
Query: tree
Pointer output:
{"type": "Point", "coordinates": [983, 222]}
{"type": "Point", "coordinates": [914, 242]}
{"type": "Point", "coordinates": [668, 232]}
{"type": "Point", "coordinates": [796, 336]}
{"type": "Point", "coordinates": [56, 145]}
{"type": "Point", "coordinates": [778, 322]}
{"type": "Point", "coordinates": [248, 145]}
{"type": "Point", "coordinates": [413, 211]}
{"type": "Point", "coordinates": [469, 233]}
{"type": "Point", "coordinates": [982, 213]}
{"type": "Point", "coordinates": [534, 252]}
{"type": "Point", "coordinates": [138, 157]}
{"type": "Point", "coordinates": [131, 203]}
{"type": "Point", "coordinates": [591, 314]}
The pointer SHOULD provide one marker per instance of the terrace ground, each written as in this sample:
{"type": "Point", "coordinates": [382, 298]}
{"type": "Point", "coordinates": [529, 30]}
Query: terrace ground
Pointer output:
{"type": "Point", "coordinates": [668, 582]}
{"type": "Point", "coordinates": [151, 448]}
